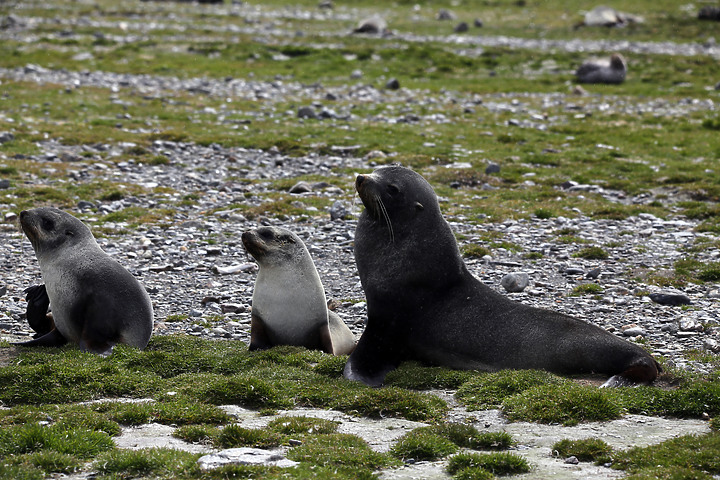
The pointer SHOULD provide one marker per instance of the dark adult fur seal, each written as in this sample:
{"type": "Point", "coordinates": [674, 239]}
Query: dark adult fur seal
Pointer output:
{"type": "Point", "coordinates": [289, 305]}
{"type": "Point", "coordinates": [95, 302]}
{"type": "Point", "coordinates": [424, 304]}
{"type": "Point", "coordinates": [603, 71]}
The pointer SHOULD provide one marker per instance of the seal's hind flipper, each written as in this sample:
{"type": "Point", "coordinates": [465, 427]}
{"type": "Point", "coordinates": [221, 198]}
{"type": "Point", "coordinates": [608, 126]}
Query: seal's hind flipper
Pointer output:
{"type": "Point", "coordinates": [37, 310]}
{"type": "Point", "coordinates": [52, 339]}
{"type": "Point", "coordinates": [642, 372]}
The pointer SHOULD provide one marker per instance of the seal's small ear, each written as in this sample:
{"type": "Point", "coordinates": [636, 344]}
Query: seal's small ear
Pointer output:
{"type": "Point", "coordinates": [419, 206]}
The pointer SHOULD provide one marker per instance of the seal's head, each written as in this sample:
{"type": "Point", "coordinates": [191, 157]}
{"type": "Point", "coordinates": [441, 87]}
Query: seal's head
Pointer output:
{"type": "Point", "coordinates": [48, 229]}
{"type": "Point", "coordinates": [396, 196]}
{"type": "Point", "coordinates": [272, 245]}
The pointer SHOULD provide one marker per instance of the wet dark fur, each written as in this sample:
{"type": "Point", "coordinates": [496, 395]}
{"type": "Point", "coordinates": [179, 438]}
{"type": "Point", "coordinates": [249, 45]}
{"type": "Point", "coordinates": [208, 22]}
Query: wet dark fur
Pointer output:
{"type": "Point", "coordinates": [423, 303]}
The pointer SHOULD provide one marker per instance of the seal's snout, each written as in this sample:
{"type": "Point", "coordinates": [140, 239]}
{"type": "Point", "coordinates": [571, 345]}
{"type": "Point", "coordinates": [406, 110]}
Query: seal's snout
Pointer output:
{"type": "Point", "coordinates": [360, 181]}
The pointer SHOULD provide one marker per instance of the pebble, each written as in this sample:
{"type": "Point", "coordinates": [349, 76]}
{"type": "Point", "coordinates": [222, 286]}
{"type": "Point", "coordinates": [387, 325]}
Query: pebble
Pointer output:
{"type": "Point", "coordinates": [515, 282]}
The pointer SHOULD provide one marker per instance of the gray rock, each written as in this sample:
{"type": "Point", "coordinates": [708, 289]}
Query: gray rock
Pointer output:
{"type": "Point", "coordinates": [515, 282]}
{"type": "Point", "coordinates": [634, 332]}
{"type": "Point", "coordinates": [709, 12]}
{"type": "Point", "coordinates": [594, 273]}
{"type": "Point", "coordinates": [670, 298]}
{"type": "Point", "coordinates": [10, 217]}
{"type": "Point", "coordinates": [712, 345]}
{"type": "Point", "coordinates": [244, 456]}
{"type": "Point", "coordinates": [392, 84]}
{"type": "Point", "coordinates": [4, 184]}
{"type": "Point", "coordinates": [572, 460]}
{"type": "Point", "coordinates": [6, 137]}
{"type": "Point", "coordinates": [461, 27]}
{"type": "Point", "coordinates": [307, 112]}
{"type": "Point", "coordinates": [85, 205]}
{"type": "Point", "coordinates": [478, 23]}
{"type": "Point", "coordinates": [445, 14]}
{"type": "Point", "coordinates": [492, 168]}
{"type": "Point", "coordinates": [338, 211]}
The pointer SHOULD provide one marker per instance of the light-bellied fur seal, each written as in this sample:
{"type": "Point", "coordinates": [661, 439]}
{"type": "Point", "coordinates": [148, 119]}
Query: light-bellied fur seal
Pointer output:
{"type": "Point", "coordinates": [424, 304]}
{"type": "Point", "coordinates": [95, 302]}
{"type": "Point", "coordinates": [602, 71]}
{"type": "Point", "coordinates": [288, 303]}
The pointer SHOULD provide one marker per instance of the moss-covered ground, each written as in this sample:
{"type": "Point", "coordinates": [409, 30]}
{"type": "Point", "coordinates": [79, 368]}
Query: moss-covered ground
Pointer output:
{"type": "Point", "coordinates": [508, 106]}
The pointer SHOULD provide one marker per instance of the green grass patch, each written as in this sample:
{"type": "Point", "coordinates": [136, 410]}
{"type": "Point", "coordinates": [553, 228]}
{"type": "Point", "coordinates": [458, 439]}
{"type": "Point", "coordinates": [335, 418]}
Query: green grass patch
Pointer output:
{"type": "Point", "coordinates": [689, 453]}
{"type": "Point", "coordinates": [148, 463]}
{"type": "Point", "coordinates": [501, 463]}
{"type": "Point", "coordinates": [422, 444]}
{"type": "Point", "coordinates": [340, 451]}
{"type": "Point", "coordinates": [491, 389]}
{"type": "Point", "coordinates": [585, 450]}
{"type": "Point", "coordinates": [234, 436]}
{"type": "Point", "coordinates": [567, 404]}
{"type": "Point", "coordinates": [587, 289]}
{"type": "Point", "coordinates": [592, 253]}
{"type": "Point", "coordinates": [303, 426]}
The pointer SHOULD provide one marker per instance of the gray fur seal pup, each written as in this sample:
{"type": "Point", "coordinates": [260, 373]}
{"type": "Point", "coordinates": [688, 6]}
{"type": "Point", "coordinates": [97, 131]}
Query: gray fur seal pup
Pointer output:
{"type": "Point", "coordinates": [424, 304]}
{"type": "Point", "coordinates": [288, 303]}
{"type": "Point", "coordinates": [95, 302]}
{"type": "Point", "coordinates": [603, 71]}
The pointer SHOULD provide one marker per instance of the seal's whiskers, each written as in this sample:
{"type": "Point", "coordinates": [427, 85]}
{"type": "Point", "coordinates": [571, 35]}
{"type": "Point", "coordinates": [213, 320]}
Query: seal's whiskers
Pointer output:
{"type": "Point", "coordinates": [385, 215]}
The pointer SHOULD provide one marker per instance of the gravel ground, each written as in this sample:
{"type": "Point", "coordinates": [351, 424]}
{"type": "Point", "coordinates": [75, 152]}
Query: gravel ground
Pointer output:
{"type": "Point", "coordinates": [196, 268]}
{"type": "Point", "coordinates": [201, 280]}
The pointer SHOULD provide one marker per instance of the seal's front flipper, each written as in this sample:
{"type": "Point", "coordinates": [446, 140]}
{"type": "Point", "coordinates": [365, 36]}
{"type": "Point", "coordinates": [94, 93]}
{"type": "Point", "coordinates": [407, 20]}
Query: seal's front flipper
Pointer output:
{"type": "Point", "coordinates": [52, 339]}
{"type": "Point", "coordinates": [376, 354]}
{"type": "Point", "coordinates": [259, 339]}
{"type": "Point", "coordinates": [37, 310]}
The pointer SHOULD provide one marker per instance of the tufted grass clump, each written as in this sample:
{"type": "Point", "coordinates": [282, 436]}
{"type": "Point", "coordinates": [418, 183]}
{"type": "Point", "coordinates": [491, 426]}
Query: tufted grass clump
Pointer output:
{"type": "Point", "coordinates": [592, 253]}
{"type": "Point", "coordinates": [340, 451]}
{"type": "Point", "coordinates": [202, 434]}
{"type": "Point", "coordinates": [147, 463]}
{"type": "Point", "coordinates": [689, 400]}
{"type": "Point", "coordinates": [291, 425]}
{"type": "Point", "coordinates": [489, 390]}
{"type": "Point", "coordinates": [33, 437]}
{"type": "Point", "coordinates": [412, 375]}
{"type": "Point", "coordinates": [467, 436]}
{"type": "Point", "coordinates": [567, 404]}
{"type": "Point", "coordinates": [47, 461]}
{"type": "Point", "coordinates": [236, 436]}
{"type": "Point", "coordinates": [692, 453]}
{"type": "Point", "coordinates": [60, 375]}
{"type": "Point", "coordinates": [474, 251]}
{"type": "Point", "coordinates": [501, 463]}
{"type": "Point", "coordinates": [181, 412]}
{"type": "Point", "coordinates": [422, 444]}
{"type": "Point", "coordinates": [473, 473]}
{"type": "Point", "coordinates": [585, 450]}
{"type": "Point", "coordinates": [586, 289]}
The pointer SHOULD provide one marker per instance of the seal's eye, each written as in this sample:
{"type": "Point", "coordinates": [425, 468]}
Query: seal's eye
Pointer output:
{"type": "Point", "coordinates": [393, 189]}
{"type": "Point", "coordinates": [48, 224]}
{"type": "Point", "coordinates": [266, 234]}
